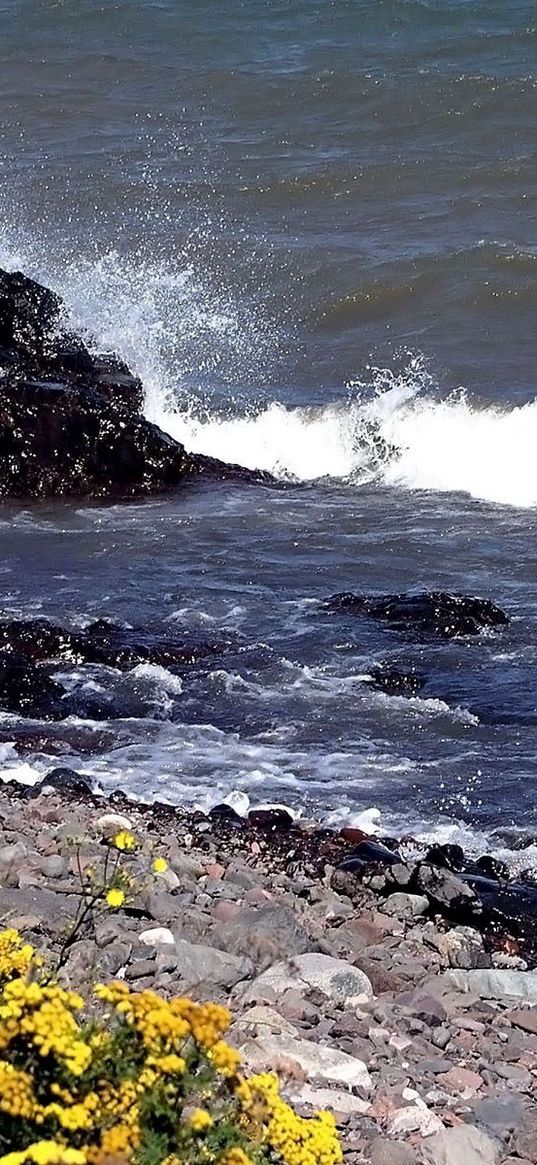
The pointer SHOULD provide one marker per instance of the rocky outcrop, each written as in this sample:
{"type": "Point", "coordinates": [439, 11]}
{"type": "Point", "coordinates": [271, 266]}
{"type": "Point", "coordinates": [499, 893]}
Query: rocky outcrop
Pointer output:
{"type": "Point", "coordinates": [30, 648]}
{"type": "Point", "coordinates": [71, 423]}
{"type": "Point", "coordinates": [103, 642]}
{"type": "Point", "coordinates": [435, 613]}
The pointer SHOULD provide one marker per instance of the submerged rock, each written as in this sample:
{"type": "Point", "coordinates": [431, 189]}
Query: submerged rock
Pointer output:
{"type": "Point", "coordinates": [28, 690]}
{"type": "Point", "coordinates": [103, 642]}
{"type": "Point", "coordinates": [395, 682]}
{"type": "Point", "coordinates": [434, 613]}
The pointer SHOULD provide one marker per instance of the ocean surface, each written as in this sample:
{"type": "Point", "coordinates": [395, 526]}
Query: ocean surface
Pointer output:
{"type": "Point", "coordinates": [310, 227]}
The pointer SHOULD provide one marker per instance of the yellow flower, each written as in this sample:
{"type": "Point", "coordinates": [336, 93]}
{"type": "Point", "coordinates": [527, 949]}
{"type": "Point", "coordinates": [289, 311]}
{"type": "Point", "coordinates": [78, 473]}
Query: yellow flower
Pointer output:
{"type": "Point", "coordinates": [160, 866]}
{"type": "Point", "coordinates": [235, 1157]}
{"type": "Point", "coordinates": [115, 898]}
{"type": "Point", "coordinates": [124, 841]}
{"type": "Point", "coordinates": [200, 1120]}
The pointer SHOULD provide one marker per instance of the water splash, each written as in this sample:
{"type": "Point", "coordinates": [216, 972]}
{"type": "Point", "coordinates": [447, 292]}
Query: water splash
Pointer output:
{"type": "Point", "coordinates": [178, 333]}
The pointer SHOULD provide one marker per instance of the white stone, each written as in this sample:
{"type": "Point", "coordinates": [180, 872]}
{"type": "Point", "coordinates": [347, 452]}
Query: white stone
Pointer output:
{"type": "Point", "coordinates": [461, 1145]}
{"type": "Point", "coordinates": [415, 1119]}
{"type": "Point", "coordinates": [329, 1099]}
{"type": "Point", "coordinates": [158, 936]}
{"type": "Point", "coordinates": [399, 1042]}
{"type": "Point", "coordinates": [111, 823]}
{"type": "Point", "coordinates": [316, 1061]}
{"type": "Point", "coordinates": [339, 980]}
{"type": "Point", "coordinates": [496, 983]}
{"type": "Point", "coordinates": [406, 905]}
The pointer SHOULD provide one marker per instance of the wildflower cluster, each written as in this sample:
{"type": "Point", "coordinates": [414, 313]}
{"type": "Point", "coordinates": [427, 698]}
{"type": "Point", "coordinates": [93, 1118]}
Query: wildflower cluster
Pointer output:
{"type": "Point", "coordinates": [150, 1082]}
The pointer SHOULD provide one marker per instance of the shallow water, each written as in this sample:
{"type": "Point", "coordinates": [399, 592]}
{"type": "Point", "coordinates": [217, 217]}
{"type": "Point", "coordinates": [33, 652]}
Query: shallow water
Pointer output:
{"type": "Point", "coordinates": [309, 228]}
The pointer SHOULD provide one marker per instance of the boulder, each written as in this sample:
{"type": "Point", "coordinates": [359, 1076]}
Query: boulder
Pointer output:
{"type": "Point", "coordinates": [525, 1019]}
{"type": "Point", "coordinates": [341, 1104]}
{"type": "Point", "coordinates": [157, 936]}
{"type": "Point", "coordinates": [28, 690]}
{"type": "Point", "coordinates": [201, 964]}
{"type": "Point", "coordinates": [271, 820]}
{"type": "Point", "coordinates": [445, 890]}
{"type": "Point", "coordinates": [462, 1143]}
{"type": "Point", "coordinates": [406, 905]}
{"type": "Point", "coordinates": [496, 983]}
{"type": "Point", "coordinates": [68, 781]}
{"type": "Point", "coordinates": [315, 1061]}
{"type": "Point", "coordinates": [395, 682]}
{"type": "Point", "coordinates": [436, 613]}
{"type": "Point", "coordinates": [111, 823]}
{"type": "Point", "coordinates": [339, 980]}
{"type": "Point", "coordinates": [262, 1017]}
{"type": "Point", "coordinates": [461, 947]}
{"type": "Point", "coordinates": [71, 423]}
{"type": "Point", "coordinates": [265, 933]}
{"type": "Point", "coordinates": [414, 1118]}
{"type": "Point", "coordinates": [383, 1152]}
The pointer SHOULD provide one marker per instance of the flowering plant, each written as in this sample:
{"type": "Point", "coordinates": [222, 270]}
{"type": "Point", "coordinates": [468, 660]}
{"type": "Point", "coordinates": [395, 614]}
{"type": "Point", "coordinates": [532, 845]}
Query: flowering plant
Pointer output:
{"type": "Point", "coordinates": [109, 887]}
{"type": "Point", "coordinates": [149, 1082]}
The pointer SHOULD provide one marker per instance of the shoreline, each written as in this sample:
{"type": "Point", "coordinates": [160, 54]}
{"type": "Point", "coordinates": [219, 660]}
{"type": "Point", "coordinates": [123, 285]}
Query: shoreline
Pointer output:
{"type": "Point", "coordinates": [370, 999]}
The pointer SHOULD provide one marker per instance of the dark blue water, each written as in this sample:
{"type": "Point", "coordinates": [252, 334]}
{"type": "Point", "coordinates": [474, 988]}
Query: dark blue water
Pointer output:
{"type": "Point", "coordinates": [310, 228]}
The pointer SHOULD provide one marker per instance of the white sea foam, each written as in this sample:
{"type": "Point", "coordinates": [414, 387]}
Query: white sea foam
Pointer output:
{"type": "Point", "coordinates": [402, 437]}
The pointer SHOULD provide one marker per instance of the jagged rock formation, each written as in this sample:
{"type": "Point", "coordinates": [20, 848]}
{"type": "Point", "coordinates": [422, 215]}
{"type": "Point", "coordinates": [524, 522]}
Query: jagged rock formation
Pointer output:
{"type": "Point", "coordinates": [71, 423]}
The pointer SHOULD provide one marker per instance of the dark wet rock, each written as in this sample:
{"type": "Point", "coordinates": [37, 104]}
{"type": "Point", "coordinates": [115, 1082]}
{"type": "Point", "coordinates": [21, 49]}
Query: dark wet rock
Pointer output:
{"type": "Point", "coordinates": [271, 820]}
{"type": "Point", "coordinates": [369, 853]}
{"type": "Point", "coordinates": [102, 642]}
{"type": "Point", "coordinates": [450, 857]}
{"type": "Point", "coordinates": [492, 867]}
{"type": "Point", "coordinates": [71, 423]}
{"type": "Point", "coordinates": [60, 439]}
{"type": "Point", "coordinates": [395, 682]}
{"type": "Point", "coordinates": [28, 690]}
{"type": "Point", "coordinates": [211, 468]}
{"type": "Point", "coordinates": [228, 815]}
{"type": "Point", "coordinates": [29, 314]}
{"type": "Point", "coordinates": [435, 613]}
{"type": "Point", "coordinates": [444, 889]}
{"type": "Point", "coordinates": [68, 781]}
{"type": "Point", "coordinates": [487, 888]}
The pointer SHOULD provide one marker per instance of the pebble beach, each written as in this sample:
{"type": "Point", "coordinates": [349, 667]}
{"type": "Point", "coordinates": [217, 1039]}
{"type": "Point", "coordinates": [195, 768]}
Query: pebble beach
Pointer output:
{"type": "Point", "coordinates": [417, 1034]}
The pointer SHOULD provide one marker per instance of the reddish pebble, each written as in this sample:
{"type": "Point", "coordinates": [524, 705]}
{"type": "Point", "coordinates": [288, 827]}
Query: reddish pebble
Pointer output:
{"type": "Point", "coordinates": [215, 871]}
{"type": "Point", "coordinates": [257, 896]}
{"type": "Point", "coordinates": [354, 835]}
{"type": "Point", "coordinates": [225, 911]}
{"type": "Point", "coordinates": [461, 1080]}
{"type": "Point", "coordinates": [466, 1041]}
